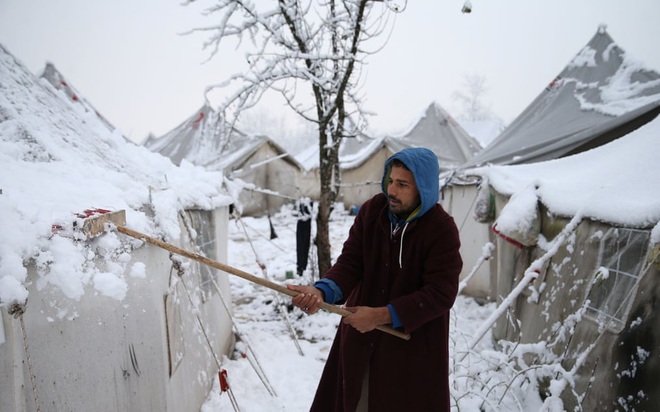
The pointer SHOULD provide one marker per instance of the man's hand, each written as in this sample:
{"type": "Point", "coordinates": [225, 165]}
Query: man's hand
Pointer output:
{"type": "Point", "coordinates": [309, 298]}
{"type": "Point", "coordinates": [366, 319]}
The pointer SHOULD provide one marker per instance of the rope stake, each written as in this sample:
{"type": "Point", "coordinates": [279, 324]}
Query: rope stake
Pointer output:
{"type": "Point", "coordinates": [254, 361]}
{"type": "Point", "coordinates": [224, 387]}
{"type": "Point", "coordinates": [257, 366]}
{"type": "Point", "coordinates": [280, 304]}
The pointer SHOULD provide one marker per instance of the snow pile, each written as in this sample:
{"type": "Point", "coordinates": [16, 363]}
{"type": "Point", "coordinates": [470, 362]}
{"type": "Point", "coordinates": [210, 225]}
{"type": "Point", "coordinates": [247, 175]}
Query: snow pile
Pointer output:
{"type": "Point", "coordinates": [58, 160]}
{"type": "Point", "coordinates": [616, 183]}
{"type": "Point", "coordinates": [520, 213]}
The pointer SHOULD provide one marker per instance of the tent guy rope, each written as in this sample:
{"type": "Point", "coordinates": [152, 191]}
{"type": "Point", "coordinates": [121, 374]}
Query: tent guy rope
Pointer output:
{"type": "Point", "coordinates": [254, 363]}
{"type": "Point", "coordinates": [280, 304]}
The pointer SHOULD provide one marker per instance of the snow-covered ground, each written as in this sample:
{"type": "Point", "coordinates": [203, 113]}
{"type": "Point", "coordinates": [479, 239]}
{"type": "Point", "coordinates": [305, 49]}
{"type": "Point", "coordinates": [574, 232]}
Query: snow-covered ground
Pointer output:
{"type": "Point", "coordinates": [485, 378]}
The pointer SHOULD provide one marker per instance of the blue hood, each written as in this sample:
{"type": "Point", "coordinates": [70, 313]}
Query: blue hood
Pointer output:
{"type": "Point", "coordinates": [424, 166]}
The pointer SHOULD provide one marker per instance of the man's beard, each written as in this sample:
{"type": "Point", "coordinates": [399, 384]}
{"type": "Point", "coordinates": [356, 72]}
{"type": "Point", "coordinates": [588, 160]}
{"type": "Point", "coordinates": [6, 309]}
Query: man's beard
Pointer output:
{"type": "Point", "coordinates": [398, 209]}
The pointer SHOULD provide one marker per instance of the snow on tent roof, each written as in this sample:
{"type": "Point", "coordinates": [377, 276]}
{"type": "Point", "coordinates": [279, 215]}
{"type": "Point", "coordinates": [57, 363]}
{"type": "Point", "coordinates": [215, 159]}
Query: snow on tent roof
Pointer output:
{"type": "Point", "coordinates": [438, 131]}
{"type": "Point", "coordinates": [200, 139]}
{"type": "Point", "coordinates": [435, 129]}
{"type": "Point", "coordinates": [354, 150]}
{"type": "Point", "coordinates": [58, 159]}
{"type": "Point", "coordinates": [600, 95]}
{"type": "Point", "coordinates": [203, 140]}
{"type": "Point", "coordinates": [617, 182]}
{"type": "Point", "coordinates": [237, 154]}
{"type": "Point", "coordinates": [57, 80]}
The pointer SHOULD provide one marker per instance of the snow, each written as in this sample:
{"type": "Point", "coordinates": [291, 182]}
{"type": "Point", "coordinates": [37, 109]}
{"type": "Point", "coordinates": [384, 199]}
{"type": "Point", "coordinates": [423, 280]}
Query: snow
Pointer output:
{"type": "Point", "coordinates": [623, 92]}
{"type": "Point", "coordinates": [616, 183]}
{"type": "Point", "coordinates": [59, 159]}
{"type": "Point", "coordinates": [482, 377]}
{"type": "Point", "coordinates": [520, 212]}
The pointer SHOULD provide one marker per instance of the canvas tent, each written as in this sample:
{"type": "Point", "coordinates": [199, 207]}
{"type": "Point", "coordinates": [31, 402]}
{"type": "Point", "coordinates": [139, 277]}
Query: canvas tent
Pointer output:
{"type": "Point", "coordinates": [261, 168]}
{"type": "Point", "coordinates": [601, 95]}
{"type": "Point", "coordinates": [361, 163]}
{"type": "Point", "coordinates": [104, 322]}
{"type": "Point", "coordinates": [435, 129]}
{"type": "Point", "coordinates": [201, 139]}
{"type": "Point", "coordinates": [580, 237]}
{"type": "Point", "coordinates": [361, 157]}
{"type": "Point", "coordinates": [438, 131]}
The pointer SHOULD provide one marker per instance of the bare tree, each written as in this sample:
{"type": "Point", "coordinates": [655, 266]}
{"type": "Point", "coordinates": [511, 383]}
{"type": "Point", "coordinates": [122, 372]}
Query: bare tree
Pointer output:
{"type": "Point", "coordinates": [298, 45]}
{"type": "Point", "coordinates": [471, 97]}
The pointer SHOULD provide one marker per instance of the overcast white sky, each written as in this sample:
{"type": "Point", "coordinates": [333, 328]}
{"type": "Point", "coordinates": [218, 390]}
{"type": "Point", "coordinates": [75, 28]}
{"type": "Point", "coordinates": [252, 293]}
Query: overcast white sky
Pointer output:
{"type": "Point", "coordinates": [128, 59]}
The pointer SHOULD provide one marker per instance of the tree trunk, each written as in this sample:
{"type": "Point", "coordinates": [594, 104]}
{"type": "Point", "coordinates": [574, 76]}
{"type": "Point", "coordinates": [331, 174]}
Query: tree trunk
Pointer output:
{"type": "Point", "coordinates": [328, 196]}
{"type": "Point", "coordinates": [323, 235]}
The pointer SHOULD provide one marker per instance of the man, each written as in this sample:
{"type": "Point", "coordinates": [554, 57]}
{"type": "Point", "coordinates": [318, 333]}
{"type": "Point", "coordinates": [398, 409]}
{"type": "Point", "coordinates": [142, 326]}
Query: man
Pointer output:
{"type": "Point", "coordinates": [398, 267]}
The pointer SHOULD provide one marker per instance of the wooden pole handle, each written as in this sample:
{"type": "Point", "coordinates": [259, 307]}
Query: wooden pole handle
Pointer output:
{"type": "Point", "coordinates": [254, 279]}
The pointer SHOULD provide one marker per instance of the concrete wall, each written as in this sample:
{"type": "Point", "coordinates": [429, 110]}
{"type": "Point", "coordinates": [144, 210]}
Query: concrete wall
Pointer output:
{"type": "Point", "coordinates": [102, 354]}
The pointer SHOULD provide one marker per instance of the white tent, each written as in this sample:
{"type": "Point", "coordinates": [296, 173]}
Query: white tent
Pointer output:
{"type": "Point", "coordinates": [438, 131]}
{"type": "Point", "coordinates": [578, 269]}
{"type": "Point", "coordinates": [106, 322]}
{"type": "Point", "coordinates": [264, 170]}
{"type": "Point", "coordinates": [601, 95]}
{"type": "Point", "coordinates": [361, 157]}
{"type": "Point", "coordinates": [201, 139]}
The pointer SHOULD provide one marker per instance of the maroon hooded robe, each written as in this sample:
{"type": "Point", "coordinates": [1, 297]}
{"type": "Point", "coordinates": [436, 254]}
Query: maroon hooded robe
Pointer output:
{"type": "Point", "coordinates": [416, 271]}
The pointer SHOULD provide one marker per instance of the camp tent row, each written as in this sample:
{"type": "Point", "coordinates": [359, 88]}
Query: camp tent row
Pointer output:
{"type": "Point", "coordinates": [601, 95]}
{"type": "Point", "coordinates": [568, 197]}
{"type": "Point", "coordinates": [108, 321]}
{"type": "Point", "coordinates": [361, 157]}
{"type": "Point", "coordinates": [581, 235]}
{"type": "Point", "coordinates": [263, 171]}
{"type": "Point", "coordinates": [269, 177]}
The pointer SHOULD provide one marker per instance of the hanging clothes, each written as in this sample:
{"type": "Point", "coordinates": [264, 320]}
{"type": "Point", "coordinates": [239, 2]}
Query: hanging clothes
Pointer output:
{"type": "Point", "coordinates": [303, 234]}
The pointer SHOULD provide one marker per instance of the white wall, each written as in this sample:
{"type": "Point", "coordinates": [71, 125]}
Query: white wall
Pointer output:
{"type": "Point", "coordinates": [459, 201]}
{"type": "Point", "coordinates": [110, 355]}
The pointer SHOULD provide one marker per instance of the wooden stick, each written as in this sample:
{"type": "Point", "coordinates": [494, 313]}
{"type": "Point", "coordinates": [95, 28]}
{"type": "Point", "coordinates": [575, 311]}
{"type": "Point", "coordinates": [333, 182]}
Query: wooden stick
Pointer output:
{"type": "Point", "coordinates": [254, 279]}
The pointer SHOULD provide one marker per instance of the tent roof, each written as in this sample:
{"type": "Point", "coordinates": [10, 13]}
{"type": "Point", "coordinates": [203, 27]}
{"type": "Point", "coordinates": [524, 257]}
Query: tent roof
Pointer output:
{"type": "Point", "coordinates": [617, 182]}
{"type": "Point", "coordinates": [438, 131]}
{"type": "Point", "coordinates": [598, 92]}
{"type": "Point", "coordinates": [354, 150]}
{"type": "Point", "coordinates": [58, 160]}
{"type": "Point", "coordinates": [57, 80]}
{"type": "Point", "coordinates": [435, 129]}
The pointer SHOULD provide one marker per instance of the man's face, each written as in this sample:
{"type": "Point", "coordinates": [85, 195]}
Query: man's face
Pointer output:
{"type": "Point", "coordinates": [402, 192]}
